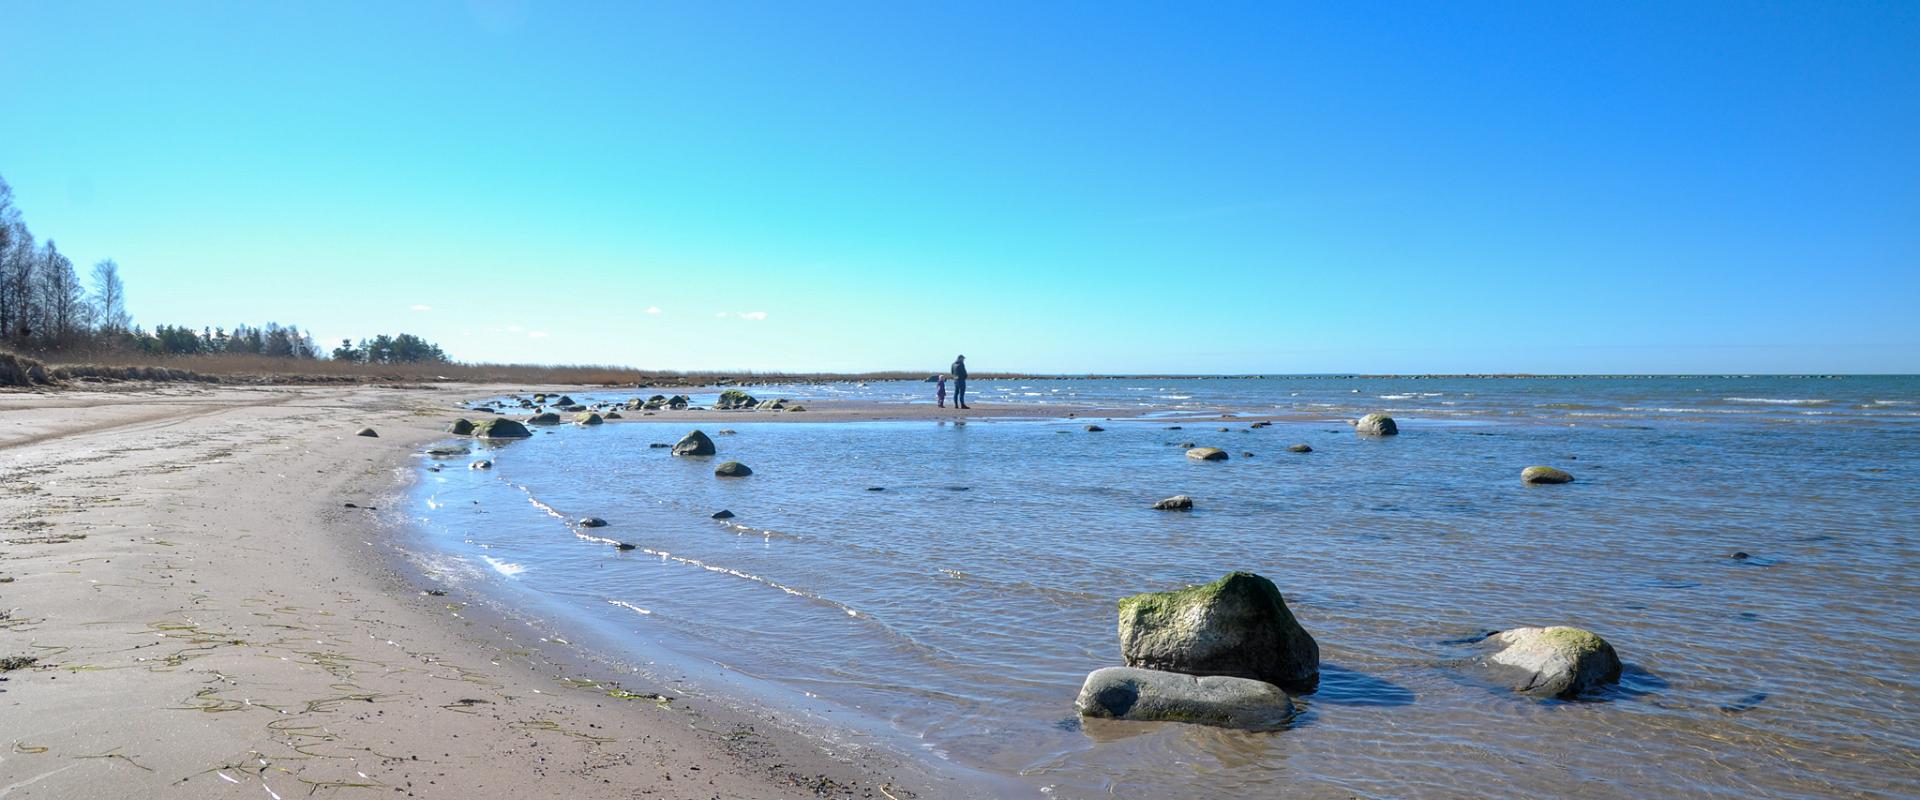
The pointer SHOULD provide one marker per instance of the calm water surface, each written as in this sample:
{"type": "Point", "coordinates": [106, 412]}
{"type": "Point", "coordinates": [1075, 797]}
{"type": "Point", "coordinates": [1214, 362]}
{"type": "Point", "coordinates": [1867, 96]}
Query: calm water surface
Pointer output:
{"type": "Point", "coordinates": [961, 607]}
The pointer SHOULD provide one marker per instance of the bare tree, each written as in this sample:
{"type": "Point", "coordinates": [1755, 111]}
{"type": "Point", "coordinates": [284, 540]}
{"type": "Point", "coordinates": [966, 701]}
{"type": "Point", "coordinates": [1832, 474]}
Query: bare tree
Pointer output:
{"type": "Point", "coordinates": [63, 304]}
{"type": "Point", "coordinates": [110, 297]}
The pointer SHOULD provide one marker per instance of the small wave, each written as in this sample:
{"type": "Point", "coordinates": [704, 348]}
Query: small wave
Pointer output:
{"type": "Point", "coordinates": [1395, 396]}
{"type": "Point", "coordinates": [1777, 401]}
{"type": "Point", "coordinates": [506, 568]}
{"type": "Point", "coordinates": [630, 607]}
{"type": "Point", "coordinates": [1173, 397]}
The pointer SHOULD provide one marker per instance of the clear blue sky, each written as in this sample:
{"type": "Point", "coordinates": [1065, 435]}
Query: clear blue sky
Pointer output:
{"type": "Point", "coordinates": [1549, 187]}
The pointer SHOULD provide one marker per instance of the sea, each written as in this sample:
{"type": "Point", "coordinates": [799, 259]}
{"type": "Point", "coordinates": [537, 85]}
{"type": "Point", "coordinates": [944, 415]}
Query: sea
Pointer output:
{"type": "Point", "coordinates": [1748, 544]}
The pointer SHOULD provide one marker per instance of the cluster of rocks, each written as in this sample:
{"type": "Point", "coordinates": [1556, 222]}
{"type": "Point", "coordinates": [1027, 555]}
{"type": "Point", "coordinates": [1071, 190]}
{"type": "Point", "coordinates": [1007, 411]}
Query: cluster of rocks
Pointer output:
{"type": "Point", "coordinates": [1230, 653]}
{"type": "Point", "coordinates": [1222, 653]}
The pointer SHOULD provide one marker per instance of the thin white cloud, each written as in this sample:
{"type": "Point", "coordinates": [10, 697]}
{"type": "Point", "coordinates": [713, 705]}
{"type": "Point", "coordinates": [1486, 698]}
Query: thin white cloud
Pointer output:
{"type": "Point", "coordinates": [514, 329]}
{"type": "Point", "coordinates": [722, 315]}
{"type": "Point", "coordinates": [537, 334]}
{"type": "Point", "coordinates": [752, 315]}
{"type": "Point", "coordinates": [653, 309]}
{"type": "Point", "coordinates": [421, 307]}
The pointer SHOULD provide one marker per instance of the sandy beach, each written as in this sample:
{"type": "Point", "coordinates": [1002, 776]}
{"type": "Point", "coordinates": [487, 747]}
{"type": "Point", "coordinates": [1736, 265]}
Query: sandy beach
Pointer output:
{"type": "Point", "coordinates": [193, 609]}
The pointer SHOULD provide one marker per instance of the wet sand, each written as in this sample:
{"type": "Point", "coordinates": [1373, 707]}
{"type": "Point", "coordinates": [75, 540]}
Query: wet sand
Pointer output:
{"type": "Point", "coordinates": [210, 618]}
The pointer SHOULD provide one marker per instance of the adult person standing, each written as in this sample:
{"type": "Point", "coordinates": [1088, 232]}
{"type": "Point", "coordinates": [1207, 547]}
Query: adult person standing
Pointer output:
{"type": "Point", "coordinates": [959, 381]}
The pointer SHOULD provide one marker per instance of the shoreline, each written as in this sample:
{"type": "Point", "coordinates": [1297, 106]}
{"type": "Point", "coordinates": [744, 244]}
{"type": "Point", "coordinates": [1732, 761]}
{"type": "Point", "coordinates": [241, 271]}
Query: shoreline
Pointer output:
{"type": "Point", "coordinates": [207, 612]}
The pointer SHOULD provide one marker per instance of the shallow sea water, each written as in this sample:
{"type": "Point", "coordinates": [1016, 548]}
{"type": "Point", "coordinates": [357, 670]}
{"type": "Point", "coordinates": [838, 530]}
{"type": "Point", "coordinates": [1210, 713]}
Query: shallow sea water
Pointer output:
{"type": "Point", "coordinates": [960, 607]}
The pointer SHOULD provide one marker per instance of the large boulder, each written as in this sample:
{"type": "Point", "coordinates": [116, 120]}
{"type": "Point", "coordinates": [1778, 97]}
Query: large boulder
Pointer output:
{"type": "Point", "coordinates": [544, 418]}
{"type": "Point", "coordinates": [734, 398]}
{"type": "Point", "coordinates": [1178, 502]}
{"type": "Point", "coordinates": [1147, 694]}
{"type": "Point", "coordinates": [461, 427]}
{"type": "Point", "coordinates": [500, 428]}
{"type": "Point", "coordinates": [587, 418]}
{"type": "Point", "coordinates": [1238, 625]}
{"type": "Point", "coordinates": [655, 402]}
{"type": "Point", "coordinates": [1556, 661]}
{"type": "Point", "coordinates": [1545, 475]}
{"type": "Point", "coordinates": [732, 469]}
{"type": "Point", "coordinates": [694, 444]}
{"type": "Point", "coordinates": [1376, 425]}
{"type": "Point", "coordinates": [678, 402]}
{"type": "Point", "coordinates": [1207, 454]}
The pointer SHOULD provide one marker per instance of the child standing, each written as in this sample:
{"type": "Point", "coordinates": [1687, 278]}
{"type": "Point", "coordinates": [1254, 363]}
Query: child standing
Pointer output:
{"type": "Point", "coordinates": [940, 391]}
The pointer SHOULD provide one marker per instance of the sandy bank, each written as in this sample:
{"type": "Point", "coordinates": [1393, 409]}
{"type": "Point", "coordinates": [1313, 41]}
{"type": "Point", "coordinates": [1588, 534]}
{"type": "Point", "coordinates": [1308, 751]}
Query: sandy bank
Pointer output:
{"type": "Point", "coordinates": [209, 619]}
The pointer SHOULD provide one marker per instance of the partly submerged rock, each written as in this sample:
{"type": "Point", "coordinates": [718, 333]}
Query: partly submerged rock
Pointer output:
{"type": "Point", "coordinates": [1207, 454]}
{"type": "Point", "coordinates": [1376, 425]}
{"type": "Point", "coordinates": [723, 514]}
{"type": "Point", "coordinates": [368, 432]}
{"type": "Point", "coordinates": [587, 418]}
{"type": "Point", "coordinates": [481, 464]}
{"type": "Point", "coordinates": [544, 418]}
{"type": "Point", "coordinates": [500, 428]}
{"type": "Point", "coordinates": [1238, 625]}
{"type": "Point", "coordinates": [1555, 661]}
{"type": "Point", "coordinates": [461, 427]}
{"type": "Point", "coordinates": [614, 415]}
{"type": "Point", "coordinates": [1094, 429]}
{"type": "Point", "coordinates": [694, 444]}
{"type": "Point", "coordinates": [734, 398]}
{"type": "Point", "coordinates": [1545, 475]}
{"type": "Point", "coordinates": [1178, 502]}
{"type": "Point", "coordinates": [1152, 695]}
{"type": "Point", "coordinates": [592, 522]}
{"type": "Point", "coordinates": [1299, 448]}
{"type": "Point", "coordinates": [732, 469]}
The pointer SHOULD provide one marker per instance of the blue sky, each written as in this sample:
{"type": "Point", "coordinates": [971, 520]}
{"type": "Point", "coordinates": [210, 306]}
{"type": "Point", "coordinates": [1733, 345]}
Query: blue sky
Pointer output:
{"type": "Point", "coordinates": [1076, 187]}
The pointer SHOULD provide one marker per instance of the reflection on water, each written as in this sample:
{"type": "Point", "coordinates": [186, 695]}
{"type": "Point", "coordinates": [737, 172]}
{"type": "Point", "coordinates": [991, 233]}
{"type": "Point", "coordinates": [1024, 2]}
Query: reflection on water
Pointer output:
{"type": "Point", "coordinates": [1755, 568]}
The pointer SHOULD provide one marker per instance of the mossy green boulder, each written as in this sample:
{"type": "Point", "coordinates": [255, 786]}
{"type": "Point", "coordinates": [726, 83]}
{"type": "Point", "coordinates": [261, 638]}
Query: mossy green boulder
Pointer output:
{"type": "Point", "coordinates": [1545, 475]}
{"type": "Point", "coordinates": [500, 428]}
{"type": "Point", "coordinates": [734, 398]}
{"type": "Point", "coordinates": [1238, 625]}
{"type": "Point", "coordinates": [461, 427]}
{"type": "Point", "coordinates": [1207, 454]}
{"type": "Point", "coordinates": [1376, 425]}
{"type": "Point", "coordinates": [544, 418]}
{"type": "Point", "coordinates": [1554, 662]}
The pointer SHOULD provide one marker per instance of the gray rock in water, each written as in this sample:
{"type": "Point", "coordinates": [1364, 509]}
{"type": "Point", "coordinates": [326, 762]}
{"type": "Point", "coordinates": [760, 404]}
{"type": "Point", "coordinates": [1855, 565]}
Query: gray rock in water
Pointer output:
{"type": "Point", "coordinates": [481, 464]}
{"type": "Point", "coordinates": [461, 427]}
{"type": "Point", "coordinates": [368, 432]}
{"type": "Point", "coordinates": [1555, 661]}
{"type": "Point", "coordinates": [592, 522]}
{"type": "Point", "coordinates": [1094, 429]}
{"type": "Point", "coordinates": [500, 428]}
{"type": "Point", "coordinates": [1299, 448]}
{"type": "Point", "coordinates": [723, 514]}
{"type": "Point", "coordinates": [1238, 625]}
{"type": "Point", "coordinates": [694, 444]}
{"type": "Point", "coordinates": [544, 418]}
{"type": "Point", "coordinates": [1152, 695]}
{"type": "Point", "coordinates": [1376, 425]}
{"type": "Point", "coordinates": [732, 469]}
{"type": "Point", "coordinates": [1545, 475]}
{"type": "Point", "coordinates": [587, 418]}
{"type": "Point", "coordinates": [1207, 454]}
{"type": "Point", "coordinates": [1178, 502]}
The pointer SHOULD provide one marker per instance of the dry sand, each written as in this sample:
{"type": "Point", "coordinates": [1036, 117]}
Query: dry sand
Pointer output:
{"type": "Point", "coordinates": [209, 619]}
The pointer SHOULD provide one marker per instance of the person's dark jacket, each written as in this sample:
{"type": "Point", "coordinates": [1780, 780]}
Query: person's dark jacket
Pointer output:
{"type": "Point", "coordinates": [959, 370]}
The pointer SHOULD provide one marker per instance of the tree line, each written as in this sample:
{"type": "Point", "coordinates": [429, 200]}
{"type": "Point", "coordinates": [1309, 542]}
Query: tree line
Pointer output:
{"type": "Point", "coordinates": [46, 309]}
